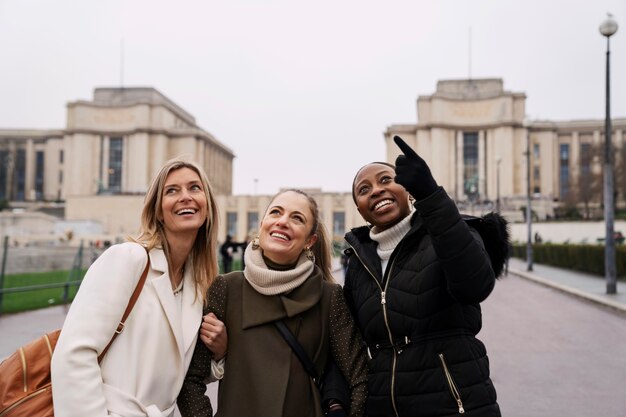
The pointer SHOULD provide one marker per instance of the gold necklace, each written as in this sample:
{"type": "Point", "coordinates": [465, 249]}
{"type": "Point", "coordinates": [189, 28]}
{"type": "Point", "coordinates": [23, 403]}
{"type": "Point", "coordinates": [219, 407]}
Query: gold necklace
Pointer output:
{"type": "Point", "coordinates": [179, 289]}
{"type": "Point", "coordinates": [180, 286]}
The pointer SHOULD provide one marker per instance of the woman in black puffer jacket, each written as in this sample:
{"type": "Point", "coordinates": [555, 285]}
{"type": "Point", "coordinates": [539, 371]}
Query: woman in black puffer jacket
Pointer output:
{"type": "Point", "coordinates": [414, 283]}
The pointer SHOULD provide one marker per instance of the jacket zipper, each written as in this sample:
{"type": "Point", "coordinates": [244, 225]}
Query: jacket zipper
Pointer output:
{"type": "Point", "coordinates": [383, 302]}
{"type": "Point", "coordinates": [453, 388]}
{"type": "Point", "coordinates": [7, 410]}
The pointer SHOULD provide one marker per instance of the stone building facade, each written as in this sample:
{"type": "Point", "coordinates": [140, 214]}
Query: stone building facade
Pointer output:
{"type": "Point", "coordinates": [113, 144]}
{"type": "Point", "coordinates": [473, 134]}
{"type": "Point", "coordinates": [100, 165]}
{"type": "Point", "coordinates": [30, 166]}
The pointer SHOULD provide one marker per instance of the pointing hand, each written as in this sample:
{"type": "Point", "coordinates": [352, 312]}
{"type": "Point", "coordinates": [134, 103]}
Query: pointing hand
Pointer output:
{"type": "Point", "coordinates": [413, 173]}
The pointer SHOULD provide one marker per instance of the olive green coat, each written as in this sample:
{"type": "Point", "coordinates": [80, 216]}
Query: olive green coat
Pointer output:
{"type": "Point", "coordinates": [263, 378]}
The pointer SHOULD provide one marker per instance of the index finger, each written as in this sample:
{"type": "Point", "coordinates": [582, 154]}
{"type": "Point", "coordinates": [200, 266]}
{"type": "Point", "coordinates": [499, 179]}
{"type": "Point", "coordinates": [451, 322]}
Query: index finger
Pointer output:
{"type": "Point", "coordinates": [406, 149]}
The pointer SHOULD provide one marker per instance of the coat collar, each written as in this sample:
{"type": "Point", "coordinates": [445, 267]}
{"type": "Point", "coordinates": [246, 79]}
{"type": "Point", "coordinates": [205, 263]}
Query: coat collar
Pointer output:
{"type": "Point", "coordinates": [184, 323]}
{"type": "Point", "coordinates": [359, 239]}
{"type": "Point", "coordinates": [260, 309]}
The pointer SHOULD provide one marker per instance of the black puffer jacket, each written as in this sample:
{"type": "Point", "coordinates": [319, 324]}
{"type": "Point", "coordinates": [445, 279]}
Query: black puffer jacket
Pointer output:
{"type": "Point", "coordinates": [420, 319]}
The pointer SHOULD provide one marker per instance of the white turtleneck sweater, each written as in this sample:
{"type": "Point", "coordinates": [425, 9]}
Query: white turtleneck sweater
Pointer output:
{"type": "Point", "coordinates": [388, 239]}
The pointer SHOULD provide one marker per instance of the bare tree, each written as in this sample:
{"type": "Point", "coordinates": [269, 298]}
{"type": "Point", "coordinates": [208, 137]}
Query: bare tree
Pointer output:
{"type": "Point", "coordinates": [590, 180]}
{"type": "Point", "coordinates": [620, 175]}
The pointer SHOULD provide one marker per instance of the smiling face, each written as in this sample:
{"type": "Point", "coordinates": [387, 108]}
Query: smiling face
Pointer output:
{"type": "Point", "coordinates": [380, 200]}
{"type": "Point", "coordinates": [286, 228]}
{"type": "Point", "coordinates": [183, 203]}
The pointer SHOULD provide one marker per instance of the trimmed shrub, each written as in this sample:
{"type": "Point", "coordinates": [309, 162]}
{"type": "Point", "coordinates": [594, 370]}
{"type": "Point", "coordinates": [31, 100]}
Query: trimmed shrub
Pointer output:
{"type": "Point", "coordinates": [583, 258]}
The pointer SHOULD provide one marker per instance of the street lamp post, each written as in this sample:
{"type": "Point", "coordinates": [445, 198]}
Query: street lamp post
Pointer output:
{"type": "Point", "coordinates": [498, 160]}
{"type": "Point", "coordinates": [608, 29]}
{"type": "Point", "coordinates": [529, 219]}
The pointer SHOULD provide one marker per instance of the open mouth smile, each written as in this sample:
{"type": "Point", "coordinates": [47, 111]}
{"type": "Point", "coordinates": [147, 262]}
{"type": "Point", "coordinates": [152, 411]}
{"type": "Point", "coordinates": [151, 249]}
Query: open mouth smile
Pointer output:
{"type": "Point", "coordinates": [279, 236]}
{"type": "Point", "coordinates": [185, 211]}
{"type": "Point", "coordinates": [381, 204]}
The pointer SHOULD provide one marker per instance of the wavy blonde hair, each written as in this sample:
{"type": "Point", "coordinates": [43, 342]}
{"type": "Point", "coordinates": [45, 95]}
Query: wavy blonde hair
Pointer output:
{"type": "Point", "coordinates": [152, 232]}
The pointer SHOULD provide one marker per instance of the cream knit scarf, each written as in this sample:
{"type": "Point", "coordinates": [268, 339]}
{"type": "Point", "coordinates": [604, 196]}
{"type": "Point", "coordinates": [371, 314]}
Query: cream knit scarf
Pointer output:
{"type": "Point", "coordinates": [271, 282]}
{"type": "Point", "coordinates": [388, 239]}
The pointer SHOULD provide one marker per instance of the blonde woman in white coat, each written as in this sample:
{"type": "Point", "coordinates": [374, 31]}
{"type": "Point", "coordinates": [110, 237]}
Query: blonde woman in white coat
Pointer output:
{"type": "Point", "coordinates": [143, 371]}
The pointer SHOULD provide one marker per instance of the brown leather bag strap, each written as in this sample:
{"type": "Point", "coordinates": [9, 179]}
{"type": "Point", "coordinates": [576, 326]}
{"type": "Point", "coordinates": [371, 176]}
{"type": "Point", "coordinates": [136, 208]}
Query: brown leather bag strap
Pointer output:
{"type": "Point", "coordinates": [129, 308]}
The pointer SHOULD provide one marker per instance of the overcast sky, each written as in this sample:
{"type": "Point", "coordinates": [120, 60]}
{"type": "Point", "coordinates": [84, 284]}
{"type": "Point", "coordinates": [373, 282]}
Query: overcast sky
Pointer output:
{"type": "Point", "coordinates": [303, 91]}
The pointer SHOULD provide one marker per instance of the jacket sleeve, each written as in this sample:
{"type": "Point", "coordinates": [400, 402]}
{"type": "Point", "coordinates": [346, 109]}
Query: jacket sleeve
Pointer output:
{"type": "Point", "coordinates": [335, 387]}
{"type": "Point", "coordinates": [348, 350]}
{"type": "Point", "coordinates": [347, 292]}
{"type": "Point", "coordinates": [77, 387]}
{"type": "Point", "coordinates": [460, 250]}
{"type": "Point", "coordinates": [192, 401]}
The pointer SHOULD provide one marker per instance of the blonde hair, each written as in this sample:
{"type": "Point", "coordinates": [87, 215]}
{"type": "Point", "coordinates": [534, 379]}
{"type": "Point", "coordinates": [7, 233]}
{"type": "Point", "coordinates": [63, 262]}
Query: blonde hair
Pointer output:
{"type": "Point", "coordinates": [152, 233]}
{"type": "Point", "coordinates": [321, 248]}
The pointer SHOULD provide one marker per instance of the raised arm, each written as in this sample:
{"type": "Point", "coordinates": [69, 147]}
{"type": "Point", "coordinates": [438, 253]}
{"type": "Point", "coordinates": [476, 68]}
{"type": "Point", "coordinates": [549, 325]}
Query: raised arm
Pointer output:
{"type": "Point", "coordinates": [465, 263]}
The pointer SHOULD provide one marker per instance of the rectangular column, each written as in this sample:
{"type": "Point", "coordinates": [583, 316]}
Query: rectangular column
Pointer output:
{"type": "Point", "coordinates": [29, 175]}
{"type": "Point", "coordinates": [482, 191]}
{"type": "Point", "coordinates": [459, 166]}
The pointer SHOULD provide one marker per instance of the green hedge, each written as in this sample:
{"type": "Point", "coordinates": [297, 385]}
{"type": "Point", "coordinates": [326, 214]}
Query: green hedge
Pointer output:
{"type": "Point", "coordinates": [583, 258]}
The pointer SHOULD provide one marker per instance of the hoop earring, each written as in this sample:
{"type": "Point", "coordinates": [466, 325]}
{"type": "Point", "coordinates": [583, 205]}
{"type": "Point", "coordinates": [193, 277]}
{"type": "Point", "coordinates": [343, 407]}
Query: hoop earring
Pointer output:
{"type": "Point", "coordinates": [309, 254]}
{"type": "Point", "coordinates": [255, 243]}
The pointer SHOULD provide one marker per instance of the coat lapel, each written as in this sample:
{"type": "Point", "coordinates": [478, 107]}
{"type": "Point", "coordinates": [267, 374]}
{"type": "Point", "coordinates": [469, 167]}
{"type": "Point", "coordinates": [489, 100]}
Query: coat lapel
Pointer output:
{"type": "Point", "coordinates": [163, 288]}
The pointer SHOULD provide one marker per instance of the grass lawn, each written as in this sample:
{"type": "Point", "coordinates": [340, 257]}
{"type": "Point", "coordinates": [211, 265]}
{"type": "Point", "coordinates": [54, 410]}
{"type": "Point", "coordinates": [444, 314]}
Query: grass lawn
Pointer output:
{"type": "Point", "coordinates": [30, 300]}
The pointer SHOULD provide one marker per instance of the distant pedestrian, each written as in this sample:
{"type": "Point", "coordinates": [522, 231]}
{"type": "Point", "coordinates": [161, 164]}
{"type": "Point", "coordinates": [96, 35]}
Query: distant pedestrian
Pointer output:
{"type": "Point", "coordinates": [509, 253]}
{"type": "Point", "coordinates": [243, 246]}
{"type": "Point", "coordinates": [226, 250]}
{"type": "Point", "coordinates": [344, 262]}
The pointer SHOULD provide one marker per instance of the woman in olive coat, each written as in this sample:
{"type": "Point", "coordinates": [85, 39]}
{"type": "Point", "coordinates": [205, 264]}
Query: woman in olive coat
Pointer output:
{"type": "Point", "coordinates": [287, 277]}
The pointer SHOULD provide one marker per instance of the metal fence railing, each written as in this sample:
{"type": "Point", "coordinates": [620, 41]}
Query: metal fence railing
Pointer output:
{"type": "Point", "coordinates": [74, 277]}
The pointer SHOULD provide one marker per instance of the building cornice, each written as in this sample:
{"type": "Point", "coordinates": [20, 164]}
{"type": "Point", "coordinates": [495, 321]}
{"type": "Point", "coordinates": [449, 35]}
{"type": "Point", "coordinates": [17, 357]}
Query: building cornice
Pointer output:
{"type": "Point", "coordinates": [31, 133]}
{"type": "Point", "coordinates": [470, 99]}
{"type": "Point", "coordinates": [128, 96]}
{"type": "Point", "coordinates": [190, 120]}
{"type": "Point", "coordinates": [581, 126]}
{"type": "Point", "coordinates": [534, 126]}
{"type": "Point", "coordinates": [172, 133]}
{"type": "Point", "coordinates": [428, 126]}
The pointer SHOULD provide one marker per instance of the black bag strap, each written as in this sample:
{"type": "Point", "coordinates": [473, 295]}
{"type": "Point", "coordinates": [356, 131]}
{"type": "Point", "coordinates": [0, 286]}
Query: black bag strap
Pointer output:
{"type": "Point", "coordinates": [297, 348]}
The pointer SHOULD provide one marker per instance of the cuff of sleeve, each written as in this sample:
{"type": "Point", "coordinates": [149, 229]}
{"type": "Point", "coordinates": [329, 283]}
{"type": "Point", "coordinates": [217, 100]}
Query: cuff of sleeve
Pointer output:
{"type": "Point", "coordinates": [217, 368]}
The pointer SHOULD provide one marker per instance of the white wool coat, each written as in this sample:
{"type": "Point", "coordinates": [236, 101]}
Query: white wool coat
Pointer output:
{"type": "Point", "coordinates": [143, 370]}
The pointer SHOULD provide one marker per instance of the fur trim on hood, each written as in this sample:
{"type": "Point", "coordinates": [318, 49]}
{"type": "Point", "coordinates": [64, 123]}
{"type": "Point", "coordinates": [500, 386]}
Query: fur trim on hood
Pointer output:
{"type": "Point", "coordinates": [494, 230]}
